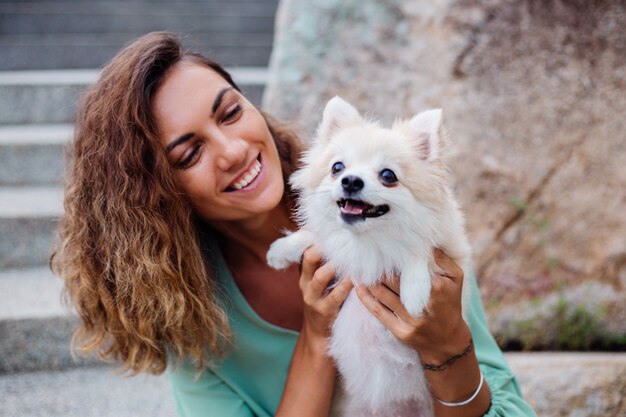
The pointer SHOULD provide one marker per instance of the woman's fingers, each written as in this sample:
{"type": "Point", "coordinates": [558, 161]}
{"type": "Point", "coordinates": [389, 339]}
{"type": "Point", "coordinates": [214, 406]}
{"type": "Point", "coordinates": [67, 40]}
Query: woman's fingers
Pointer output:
{"type": "Point", "coordinates": [391, 300]}
{"type": "Point", "coordinates": [316, 278]}
{"type": "Point", "coordinates": [311, 260]}
{"type": "Point", "coordinates": [321, 279]}
{"type": "Point", "coordinates": [449, 268]}
{"type": "Point", "coordinates": [393, 283]}
{"type": "Point", "coordinates": [380, 311]}
{"type": "Point", "coordinates": [339, 294]}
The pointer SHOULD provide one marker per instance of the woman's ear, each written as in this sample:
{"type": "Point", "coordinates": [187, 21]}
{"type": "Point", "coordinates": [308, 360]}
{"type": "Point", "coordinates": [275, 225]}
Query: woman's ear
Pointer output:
{"type": "Point", "coordinates": [338, 114]}
{"type": "Point", "coordinates": [426, 134]}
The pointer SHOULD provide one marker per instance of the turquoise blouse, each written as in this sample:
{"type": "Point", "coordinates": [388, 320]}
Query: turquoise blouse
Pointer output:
{"type": "Point", "coordinates": [250, 380]}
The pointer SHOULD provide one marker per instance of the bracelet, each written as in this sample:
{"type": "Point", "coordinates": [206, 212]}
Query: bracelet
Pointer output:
{"type": "Point", "coordinates": [450, 361]}
{"type": "Point", "coordinates": [469, 400]}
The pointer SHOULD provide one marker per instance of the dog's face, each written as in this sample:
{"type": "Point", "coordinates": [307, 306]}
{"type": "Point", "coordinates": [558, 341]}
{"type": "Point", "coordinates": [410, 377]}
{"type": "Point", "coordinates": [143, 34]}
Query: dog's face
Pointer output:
{"type": "Point", "coordinates": [362, 174]}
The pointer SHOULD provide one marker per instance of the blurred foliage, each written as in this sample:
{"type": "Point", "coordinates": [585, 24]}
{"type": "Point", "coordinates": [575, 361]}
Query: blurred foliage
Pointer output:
{"type": "Point", "coordinates": [566, 326]}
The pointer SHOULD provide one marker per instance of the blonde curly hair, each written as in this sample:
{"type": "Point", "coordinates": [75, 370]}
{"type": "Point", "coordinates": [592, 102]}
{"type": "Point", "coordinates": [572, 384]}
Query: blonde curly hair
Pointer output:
{"type": "Point", "coordinates": [130, 247]}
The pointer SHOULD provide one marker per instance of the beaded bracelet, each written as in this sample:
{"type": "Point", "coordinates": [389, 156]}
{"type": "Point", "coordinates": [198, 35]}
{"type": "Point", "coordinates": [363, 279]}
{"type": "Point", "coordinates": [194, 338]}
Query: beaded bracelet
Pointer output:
{"type": "Point", "coordinates": [469, 400]}
{"type": "Point", "coordinates": [450, 361]}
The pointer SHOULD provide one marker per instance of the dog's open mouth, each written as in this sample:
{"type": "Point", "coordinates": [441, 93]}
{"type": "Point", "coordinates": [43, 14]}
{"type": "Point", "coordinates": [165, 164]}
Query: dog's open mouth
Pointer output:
{"type": "Point", "coordinates": [355, 210]}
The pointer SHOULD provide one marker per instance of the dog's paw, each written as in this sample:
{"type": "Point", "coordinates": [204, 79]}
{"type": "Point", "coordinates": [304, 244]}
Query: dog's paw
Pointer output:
{"type": "Point", "coordinates": [278, 257]}
{"type": "Point", "coordinates": [415, 286]}
{"type": "Point", "coordinates": [417, 304]}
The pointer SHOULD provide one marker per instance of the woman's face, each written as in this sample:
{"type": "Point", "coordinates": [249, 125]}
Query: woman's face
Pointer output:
{"type": "Point", "coordinates": [219, 145]}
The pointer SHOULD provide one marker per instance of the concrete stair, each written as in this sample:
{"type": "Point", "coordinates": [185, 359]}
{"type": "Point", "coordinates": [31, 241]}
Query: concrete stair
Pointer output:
{"type": "Point", "coordinates": [32, 154]}
{"type": "Point", "coordinates": [45, 97]}
{"type": "Point", "coordinates": [85, 392]}
{"type": "Point", "coordinates": [85, 34]}
{"type": "Point", "coordinates": [28, 218]}
{"type": "Point", "coordinates": [34, 326]}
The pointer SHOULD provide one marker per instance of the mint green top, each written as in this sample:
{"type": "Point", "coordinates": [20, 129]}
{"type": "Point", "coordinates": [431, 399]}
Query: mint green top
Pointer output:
{"type": "Point", "coordinates": [250, 380]}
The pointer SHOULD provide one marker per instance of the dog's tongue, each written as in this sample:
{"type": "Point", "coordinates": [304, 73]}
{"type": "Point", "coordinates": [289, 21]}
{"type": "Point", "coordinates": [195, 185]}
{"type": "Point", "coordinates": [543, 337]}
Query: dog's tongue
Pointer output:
{"type": "Point", "coordinates": [352, 208]}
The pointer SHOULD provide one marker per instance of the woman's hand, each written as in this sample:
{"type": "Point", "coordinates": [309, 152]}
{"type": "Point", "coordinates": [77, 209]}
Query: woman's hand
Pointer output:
{"type": "Point", "coordinates": [311, 379]}
{"type": "Point", "coordinates": [438, 335]}
{"type": "Point", "coordinates": [320, 305]}
{"type": "Point", "coordinates": [440, 332]}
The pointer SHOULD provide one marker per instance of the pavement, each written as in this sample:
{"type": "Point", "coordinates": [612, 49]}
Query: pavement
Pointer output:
{"type": "Point", "coordinates": [85, 392]}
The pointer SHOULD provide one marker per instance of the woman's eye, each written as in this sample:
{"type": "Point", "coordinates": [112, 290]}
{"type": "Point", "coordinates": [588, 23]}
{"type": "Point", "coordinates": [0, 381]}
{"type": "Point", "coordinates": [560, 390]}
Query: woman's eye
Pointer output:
{"type": "Point", "coordinates": [337, 168]}
{"type": "Point", "coordinates": [232, 113]}
{"type": "Point", "coordinates": [188, 159]}
{"type": "Point", "coordinates": [388, 177]}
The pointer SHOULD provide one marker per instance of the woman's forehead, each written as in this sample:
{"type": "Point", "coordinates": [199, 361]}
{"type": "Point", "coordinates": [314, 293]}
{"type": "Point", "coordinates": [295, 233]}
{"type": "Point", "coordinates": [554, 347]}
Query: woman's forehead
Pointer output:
{"type": "Point", "coordinates": [187, 88]}
{"type": "Point", "coordinates": [184, 79]}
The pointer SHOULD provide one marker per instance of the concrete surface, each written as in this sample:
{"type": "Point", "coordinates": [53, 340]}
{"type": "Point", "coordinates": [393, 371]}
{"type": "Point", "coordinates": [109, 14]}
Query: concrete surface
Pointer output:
{"type": "Point", "coordinates": [86, 392]}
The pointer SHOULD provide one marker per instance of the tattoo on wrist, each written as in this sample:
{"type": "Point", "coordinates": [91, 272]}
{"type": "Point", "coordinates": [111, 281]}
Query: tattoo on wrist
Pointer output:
{"type": "Point", "coordinates": [450, 361]}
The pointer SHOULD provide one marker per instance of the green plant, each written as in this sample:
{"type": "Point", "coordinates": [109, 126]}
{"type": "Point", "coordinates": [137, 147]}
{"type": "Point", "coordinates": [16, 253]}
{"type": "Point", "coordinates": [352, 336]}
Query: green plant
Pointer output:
{"type": "Point", "coordinates": [577, 328]}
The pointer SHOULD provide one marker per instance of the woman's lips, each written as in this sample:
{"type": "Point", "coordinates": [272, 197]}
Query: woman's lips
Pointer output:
{"type": "Point", "coordinates": [248, 178]}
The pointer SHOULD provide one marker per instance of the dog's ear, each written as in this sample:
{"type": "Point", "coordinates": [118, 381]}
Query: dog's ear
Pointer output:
{"type": "Point", "coordinates": [427, 130]}
{"type": "Point", "coordinates": [338, 114]}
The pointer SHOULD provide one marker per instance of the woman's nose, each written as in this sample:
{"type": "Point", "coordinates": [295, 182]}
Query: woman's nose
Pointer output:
{"type": "Point", "coordinates": [231, 153]}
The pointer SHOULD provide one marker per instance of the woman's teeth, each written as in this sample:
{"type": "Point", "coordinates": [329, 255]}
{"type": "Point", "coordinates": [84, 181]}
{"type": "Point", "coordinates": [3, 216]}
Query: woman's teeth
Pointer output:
{"type": "Point", "coordinates": [248, 177]}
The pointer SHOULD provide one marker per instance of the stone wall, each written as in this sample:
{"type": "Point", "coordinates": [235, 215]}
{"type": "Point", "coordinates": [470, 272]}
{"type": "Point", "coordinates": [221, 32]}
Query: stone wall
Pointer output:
{"type": "Point", "coordinates": [534, 96]}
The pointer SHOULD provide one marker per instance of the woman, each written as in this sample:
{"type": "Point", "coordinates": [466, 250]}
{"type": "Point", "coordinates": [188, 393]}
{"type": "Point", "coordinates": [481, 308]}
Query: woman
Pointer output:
{"type": "Point", "coordinates": [175, 192]}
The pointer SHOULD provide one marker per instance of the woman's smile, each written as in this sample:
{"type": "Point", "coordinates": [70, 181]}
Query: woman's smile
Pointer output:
{"type": "Point", "coordinates": [250, 178]}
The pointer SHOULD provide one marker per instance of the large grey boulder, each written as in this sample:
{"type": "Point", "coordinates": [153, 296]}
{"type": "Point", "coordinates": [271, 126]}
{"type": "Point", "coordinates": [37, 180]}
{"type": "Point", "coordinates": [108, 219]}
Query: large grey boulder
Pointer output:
{"type": "Point", "coordinates": [534, 96]}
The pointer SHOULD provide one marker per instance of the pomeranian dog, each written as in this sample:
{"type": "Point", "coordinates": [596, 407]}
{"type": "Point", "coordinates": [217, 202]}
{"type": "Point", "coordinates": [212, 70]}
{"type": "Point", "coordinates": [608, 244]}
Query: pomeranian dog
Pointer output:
{"type": "Point", "coordinates": [376, 201]}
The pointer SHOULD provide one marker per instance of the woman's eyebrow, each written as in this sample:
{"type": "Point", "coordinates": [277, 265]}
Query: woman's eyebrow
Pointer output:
{"type": "Point", "coordinates": [184, 138]}
{"type": "Point", "coordinates": [218, 98]}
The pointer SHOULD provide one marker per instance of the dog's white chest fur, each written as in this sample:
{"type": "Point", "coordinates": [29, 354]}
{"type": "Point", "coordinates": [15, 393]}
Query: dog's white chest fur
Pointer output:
{"type": "Point", "coordinates": [380, 376]}
{"type": "Point", "coordinates": [376, 202]}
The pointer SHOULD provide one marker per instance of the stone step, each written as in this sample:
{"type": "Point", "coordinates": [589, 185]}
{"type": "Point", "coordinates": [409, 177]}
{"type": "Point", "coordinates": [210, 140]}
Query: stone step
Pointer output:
{"type": "Point", "coordinates": [556, 384]}
{"type": "Point", "coordinates": [572, 384]}
{"type": "Point", "coordinates": [35, 328]}
{"type": "Point", "coordinates": [140, 9]}
{"type": "Point", "coordinates": [93, 50]}
{"type": "Point", "coordinates": [32, 293]}
{"type": "Point", "coordinates": [209, 24]}
{"type": "Point", "coordinates": [52, 96]}
{"type": "Point", "coordinates": [85, 392]}
{"type": "Point", "coordinates": [152, 2]}
{"type": "Point", "coordinates": [32, 154]}
{"type": "Point", "coordinates": [28, 220]}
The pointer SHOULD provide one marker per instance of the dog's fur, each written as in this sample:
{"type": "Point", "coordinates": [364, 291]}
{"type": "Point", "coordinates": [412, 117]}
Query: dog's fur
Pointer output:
{"type": "Point", "coordinates": [381, 376]}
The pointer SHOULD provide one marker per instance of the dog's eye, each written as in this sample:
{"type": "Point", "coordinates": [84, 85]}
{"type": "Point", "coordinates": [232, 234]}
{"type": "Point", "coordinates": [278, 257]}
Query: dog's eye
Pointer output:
{"type": "Point", "coordinates": [337, 168]}
{"type": "Point", "coordinates": [388, 177]}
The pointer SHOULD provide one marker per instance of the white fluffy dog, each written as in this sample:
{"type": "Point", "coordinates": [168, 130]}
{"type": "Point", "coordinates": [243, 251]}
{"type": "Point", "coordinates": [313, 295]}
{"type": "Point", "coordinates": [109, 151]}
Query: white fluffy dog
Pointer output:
{"type": "Point", "coordinates": [376, 202]}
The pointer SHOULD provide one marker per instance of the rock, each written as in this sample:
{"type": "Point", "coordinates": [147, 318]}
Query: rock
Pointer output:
{"type": "Point", "coordinates": [533, 94]}
{"type": "Point", "coordinates": [572, 385]}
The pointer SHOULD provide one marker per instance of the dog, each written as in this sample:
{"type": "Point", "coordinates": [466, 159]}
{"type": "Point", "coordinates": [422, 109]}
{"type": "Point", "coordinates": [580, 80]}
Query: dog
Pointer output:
{"type": "Point", "coordinates": [376, 201]}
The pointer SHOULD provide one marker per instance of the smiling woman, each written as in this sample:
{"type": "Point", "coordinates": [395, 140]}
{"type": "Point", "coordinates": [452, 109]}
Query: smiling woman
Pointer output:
{"type": "Point", "coordinates": [129, 248]}
{"type": "Point", "coordinates": [176, 188]}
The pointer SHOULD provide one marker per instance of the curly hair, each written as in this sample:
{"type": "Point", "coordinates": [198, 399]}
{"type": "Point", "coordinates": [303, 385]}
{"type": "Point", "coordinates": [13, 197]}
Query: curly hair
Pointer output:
{"type": "Point", "coordinates": [130, 246]}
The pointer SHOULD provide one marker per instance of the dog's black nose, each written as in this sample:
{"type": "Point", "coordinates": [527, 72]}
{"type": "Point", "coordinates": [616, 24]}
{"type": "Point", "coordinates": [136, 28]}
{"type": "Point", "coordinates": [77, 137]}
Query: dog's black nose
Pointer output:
{"type": "Point", "coordinates": [352, 184]}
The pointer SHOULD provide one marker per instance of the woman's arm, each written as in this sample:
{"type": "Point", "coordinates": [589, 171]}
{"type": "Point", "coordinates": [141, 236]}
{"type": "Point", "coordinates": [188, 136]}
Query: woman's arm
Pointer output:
{"type": "Point", "coordinates": [447, 337]}
{"type": "Point", "coordinates": [311, 379]}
